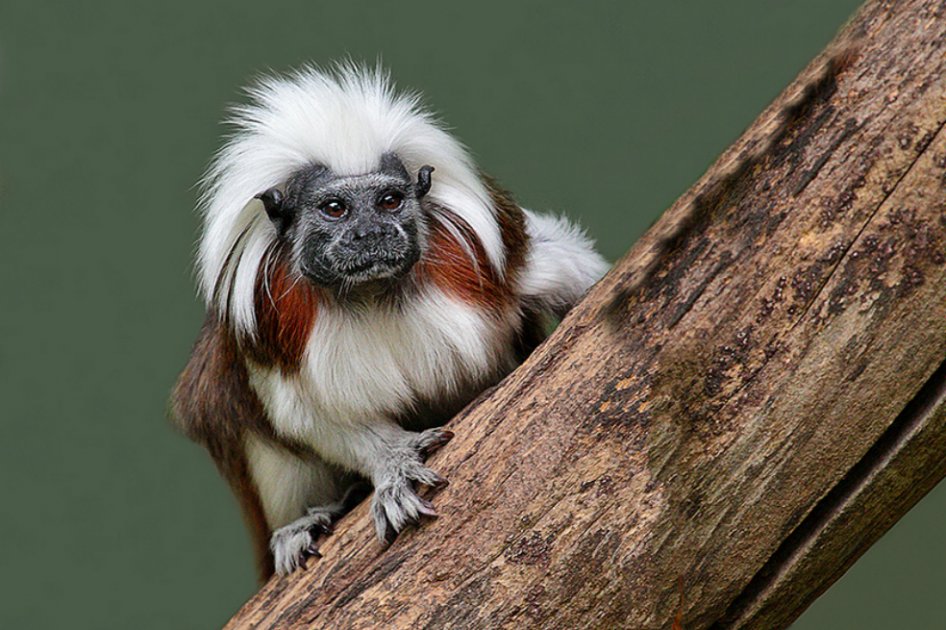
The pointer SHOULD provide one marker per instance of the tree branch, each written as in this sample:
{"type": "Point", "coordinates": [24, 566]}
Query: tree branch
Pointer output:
{"type": "Point", "coordinates": [732, 416]}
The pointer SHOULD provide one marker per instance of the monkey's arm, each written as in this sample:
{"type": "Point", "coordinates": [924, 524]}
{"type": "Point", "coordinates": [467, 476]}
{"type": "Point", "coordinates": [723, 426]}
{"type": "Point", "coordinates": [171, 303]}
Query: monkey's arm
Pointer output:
{"type": "Point", "coordinates": [391, 457]}
{"type": "Point", "coordinates": [561, 264]}
{"type": "Point", "coordinates": [213, 404]}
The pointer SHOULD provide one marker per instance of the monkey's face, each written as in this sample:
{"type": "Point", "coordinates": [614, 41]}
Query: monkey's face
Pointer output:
{"type": "Point", "coordinates": [349, 230]}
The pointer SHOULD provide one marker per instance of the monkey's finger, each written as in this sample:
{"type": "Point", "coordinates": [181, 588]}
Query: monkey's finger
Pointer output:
{"type": "Point", "coordinates": [433, 439]}
{"type": "Point", "coordinates": [427, 508]}
{"type": "Point", "coordinates": [389, 533]}
{"type": "Point", "coordinates": [445, 436]}
{"type": "Point", "coordinates": [440, 482]}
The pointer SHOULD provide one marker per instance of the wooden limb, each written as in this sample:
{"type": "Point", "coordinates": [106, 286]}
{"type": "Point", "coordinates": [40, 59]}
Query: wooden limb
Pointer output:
{"type": "Point", "coordinates": [732, 416]}
{"type": "Point", "coordinates": [899, 469]}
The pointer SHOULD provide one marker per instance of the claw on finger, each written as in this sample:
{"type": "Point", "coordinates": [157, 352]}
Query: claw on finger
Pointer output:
{"type": "Point", "coordinates": [321, 530]}
{"type": "Point", "coordinates": [443, 436]}
{"type": "Point", "coordinates": [427, 508]}
{"type": "Point", "coordinates": [311, 551]}
{"type": "Point", "coordinates": [389, 534]}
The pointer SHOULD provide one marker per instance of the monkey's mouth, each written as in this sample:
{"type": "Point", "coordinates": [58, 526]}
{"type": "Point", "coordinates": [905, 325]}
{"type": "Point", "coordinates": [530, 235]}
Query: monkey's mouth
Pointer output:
{"type": "Point", "coordinates": [376, 268]}
{"type": "Point", "coordinates": [346, 268]}
{"type": "Point", "coordinates": [372, 270]}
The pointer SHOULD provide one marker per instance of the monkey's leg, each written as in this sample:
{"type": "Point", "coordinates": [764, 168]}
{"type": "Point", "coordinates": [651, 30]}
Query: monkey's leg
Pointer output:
{"type": "Point", "coordinates": [301, 498]}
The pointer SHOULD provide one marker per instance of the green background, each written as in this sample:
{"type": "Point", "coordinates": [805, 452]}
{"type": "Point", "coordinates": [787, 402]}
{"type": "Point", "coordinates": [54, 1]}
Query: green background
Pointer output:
{"type": "Point", "coordinates": [109, 113]}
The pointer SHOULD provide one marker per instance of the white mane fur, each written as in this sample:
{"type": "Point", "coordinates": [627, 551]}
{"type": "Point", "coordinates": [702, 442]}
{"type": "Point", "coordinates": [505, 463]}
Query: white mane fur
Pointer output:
{"type": "Point", "coordinates": [345, 119]}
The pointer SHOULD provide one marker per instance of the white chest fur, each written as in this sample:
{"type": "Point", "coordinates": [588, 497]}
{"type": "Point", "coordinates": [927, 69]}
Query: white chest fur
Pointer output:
{"type": "Point", "coordinates": [360, 366]}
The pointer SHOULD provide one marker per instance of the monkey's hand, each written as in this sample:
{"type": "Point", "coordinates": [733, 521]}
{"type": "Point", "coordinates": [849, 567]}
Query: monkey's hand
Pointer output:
{"type": "Point", "coordinates": [293, 543]}
{"type": "Point", "coordinates": [396, 503]}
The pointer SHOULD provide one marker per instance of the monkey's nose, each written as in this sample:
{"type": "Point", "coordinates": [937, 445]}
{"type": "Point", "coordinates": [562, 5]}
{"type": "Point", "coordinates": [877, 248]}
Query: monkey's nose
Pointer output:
{"type": "Point", "coordinates": [361, 232]}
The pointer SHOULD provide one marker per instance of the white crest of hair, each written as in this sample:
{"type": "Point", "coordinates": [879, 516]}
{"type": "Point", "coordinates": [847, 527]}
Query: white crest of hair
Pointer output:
{"type": "Point", "coordinates": [561, 263]}
{"type": "Point", "coordinates": [345, 119]}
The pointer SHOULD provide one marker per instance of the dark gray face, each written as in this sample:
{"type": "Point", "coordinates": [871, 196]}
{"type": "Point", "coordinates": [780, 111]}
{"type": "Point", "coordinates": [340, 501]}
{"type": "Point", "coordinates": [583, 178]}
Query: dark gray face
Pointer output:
{"type": "Point", "coordinates": [348, 230]}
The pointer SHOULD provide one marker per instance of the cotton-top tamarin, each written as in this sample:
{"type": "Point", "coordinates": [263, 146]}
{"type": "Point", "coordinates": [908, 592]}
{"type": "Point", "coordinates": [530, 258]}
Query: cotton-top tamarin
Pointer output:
{"type": "Point", "coordinates": [363, 282]}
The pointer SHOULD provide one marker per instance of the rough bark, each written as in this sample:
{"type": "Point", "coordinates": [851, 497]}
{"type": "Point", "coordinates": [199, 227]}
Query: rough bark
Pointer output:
{"type": "Point", "coordinates": [732, 416]}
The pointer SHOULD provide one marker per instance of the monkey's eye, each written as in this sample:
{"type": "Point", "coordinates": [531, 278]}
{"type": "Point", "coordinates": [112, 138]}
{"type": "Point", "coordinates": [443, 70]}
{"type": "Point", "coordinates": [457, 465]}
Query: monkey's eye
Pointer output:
{"type": "Point", "coordinates": [391, 200]}
{"type": "Point", "coordinates": [333, 208]}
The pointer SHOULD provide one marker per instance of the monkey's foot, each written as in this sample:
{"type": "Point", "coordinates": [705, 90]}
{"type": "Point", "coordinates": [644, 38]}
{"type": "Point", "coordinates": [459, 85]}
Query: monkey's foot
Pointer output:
{"type": "Point", "coordinates": [396, 503]}
{"type": "Point", "coordinates": [295, 542]}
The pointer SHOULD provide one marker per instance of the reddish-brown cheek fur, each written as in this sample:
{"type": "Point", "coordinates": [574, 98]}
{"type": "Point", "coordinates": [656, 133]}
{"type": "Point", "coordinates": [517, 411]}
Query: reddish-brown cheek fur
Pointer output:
{"type": "Point", "coordinates": [286, 307]}
{"type": "Point", "coordinates": [448, 265]}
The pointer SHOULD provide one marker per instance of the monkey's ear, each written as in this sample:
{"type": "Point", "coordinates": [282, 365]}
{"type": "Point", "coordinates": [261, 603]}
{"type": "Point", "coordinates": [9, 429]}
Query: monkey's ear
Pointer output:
{"type": "Point", "coordinates": [273, 202]}
{"type": "Point", "coordinates": [423, 180]}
